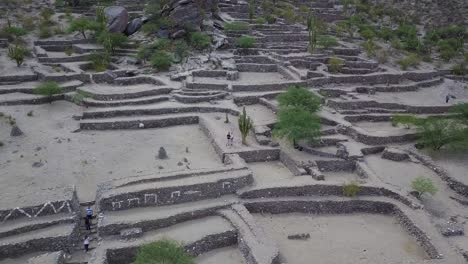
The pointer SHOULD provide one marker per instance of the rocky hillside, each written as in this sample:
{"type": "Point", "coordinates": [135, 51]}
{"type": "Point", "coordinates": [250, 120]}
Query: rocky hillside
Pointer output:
{"type": "Point", "coordinates": [432, 12]}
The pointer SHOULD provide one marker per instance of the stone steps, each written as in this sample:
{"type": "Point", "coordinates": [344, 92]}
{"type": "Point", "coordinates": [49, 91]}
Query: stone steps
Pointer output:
{"type": "Point", "coordinates": [164, 216]}
{"type": "Point", "coordinates": [175, 191]}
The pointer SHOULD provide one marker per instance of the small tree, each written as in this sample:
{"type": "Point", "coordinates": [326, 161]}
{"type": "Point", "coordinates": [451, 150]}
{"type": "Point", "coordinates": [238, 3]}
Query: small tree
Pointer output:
{"type": "Point", "coordinates": [163, 251]}
{"type": "Point", "coordinates": [48, 89]}
{"type": "Point", "coordinates": [423, 185]}
{"type": "Point", "coordinates": [111, 41]}
{"type": "Point", "coordinates": [295, 123]}
{"type": "Point", "coordinates": [82, 25]}
{"type": "Point", "coordinates": [17, 53]}
{"type": "Point", "coordinates": [297, 96]}
{"type": "Point", "coordinates": [245, 124]}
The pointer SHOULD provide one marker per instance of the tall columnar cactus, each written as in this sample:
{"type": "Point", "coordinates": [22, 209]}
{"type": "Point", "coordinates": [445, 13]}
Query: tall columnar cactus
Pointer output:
{"type": "Point", "coordinates": [245, 124]}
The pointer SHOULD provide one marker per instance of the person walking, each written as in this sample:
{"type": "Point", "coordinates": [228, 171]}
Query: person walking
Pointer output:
{"type": "Point", "coordinates": [87, 223]}
{"type": "Point", "coordinates": [228, 139]}
{"type": "Point", "coordinates": [231, 140]}
{"type": "Point", "coordinates": [89, 213]}
{"type": "Point", "coordinates": [86, 243]}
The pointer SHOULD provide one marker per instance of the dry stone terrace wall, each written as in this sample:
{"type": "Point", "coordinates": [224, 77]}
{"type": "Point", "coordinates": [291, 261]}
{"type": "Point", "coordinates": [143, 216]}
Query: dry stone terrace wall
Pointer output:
{"type": "Point", "coordinates": [174, 194]}
{"type": "Point", "coordinates": [322, 190]}
{"type": "Point", "coordinates": [69, 205]}
{"type": "Point", "coordinates": [346, 207]}
{"type": "Point", "coordinates": [136, 124]}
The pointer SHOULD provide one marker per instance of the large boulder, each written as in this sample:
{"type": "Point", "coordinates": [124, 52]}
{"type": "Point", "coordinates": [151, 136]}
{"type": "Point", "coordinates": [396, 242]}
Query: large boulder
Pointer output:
{"type": "Point", "coordinates": [117, 18]}
{"type": "Point", "coordinates": [135, 25]}
{"type": "Point", "coordinates": [395, 154]}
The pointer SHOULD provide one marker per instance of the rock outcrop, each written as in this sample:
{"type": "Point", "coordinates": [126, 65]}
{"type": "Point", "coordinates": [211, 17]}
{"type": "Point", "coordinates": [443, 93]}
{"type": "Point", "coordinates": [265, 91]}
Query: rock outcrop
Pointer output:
{"type": "Point", "coordinates": [117, 19]}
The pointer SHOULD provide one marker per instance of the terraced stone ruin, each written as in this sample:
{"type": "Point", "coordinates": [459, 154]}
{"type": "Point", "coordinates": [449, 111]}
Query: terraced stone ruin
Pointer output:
{"type": "Point", "coordinates": [124, 107]}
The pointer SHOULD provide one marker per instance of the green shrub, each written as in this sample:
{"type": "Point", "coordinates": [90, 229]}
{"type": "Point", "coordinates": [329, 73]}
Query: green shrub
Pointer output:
{"type": "Point", "coordinates": [69, 51]}
{"type": "Point", "coordinates": [260, 20]}
{"type": "Point", "coordinates": [13, 33]}
{"type": "Point", "coordinates": [367, 33]}
{"type": "Point", "coordinates": [150, 28]}
{"type": "Point", "coordinates": [82, 25]}
{"type": "Point", "coordinates": [245, 42]}
{"type": "Point", "coordinates": [448, 49]}
{"type": "Point", "coordinates": [44, 31]}
{"type": "Point", "coordinates": [461, 109]}
{"type": "Point", "coordinates": [46, 15]}
{"type": "Point", "coordinates": [161, 60]}
{"type": "Point", "coordinates": [335, 65]}
{"type": "Point", "coordinates": [304, 9]}
{"type": "Point", "coordinates": [386, 33]}
{"type": "Point", "coordinates": [48, 89]}
{"type": "Point", "coordinates": [99, 61]}
{"type": "Point", "coordinates": [237, 26]}
{"type": "Point", "coordinates": [326, 41]}
{"type": "Point", "coordinates": [459, 69]}
{"type": "Point", "coordinates": [271, 19]}
{"type": "Point", "coordinates": [436, 133]}
{"type": "Point", "coordinates": [381, 56]}
{"type": "Point", "coordinates": [181, 50]}
{"type": "Point", "coordinates": [111, 41]}
{"type": "Point", "coordinates": [17, 53]}
{"type": "Point", "coordinates": [351, 189]}
{"type": "Point", "coordinates": [163, 251]}
{"type": "Point", "coordinates": [423, 185]}
{"type": "Point", "coordinates": [396, 43]}
{"type": "Point", "coordinates": [370, 47]}
{"type": "Point", "coordinates": [200, 41]}
{"type": "Point", "coordinates": [412, 60]}
{"type": "Point", "coordinates": [161, 45]}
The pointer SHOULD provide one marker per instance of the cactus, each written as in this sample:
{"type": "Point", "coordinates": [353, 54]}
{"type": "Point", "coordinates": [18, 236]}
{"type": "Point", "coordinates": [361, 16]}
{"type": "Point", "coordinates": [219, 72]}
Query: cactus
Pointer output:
{"type": "Point", "coordinates": [245, 124]}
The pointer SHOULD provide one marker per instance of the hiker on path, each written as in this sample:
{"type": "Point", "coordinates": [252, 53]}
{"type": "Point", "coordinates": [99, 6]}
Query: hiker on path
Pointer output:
{"type": "Point", "coordinates": [228, 138]}
{"type": "Point", "coordinates": [89, 213]}
{"type": "Point", "coordinates": [231, 140]}
{"type": "Point", "coordinates": [88, 223]}
{"type": "Point", "coordinates": [86, 243]}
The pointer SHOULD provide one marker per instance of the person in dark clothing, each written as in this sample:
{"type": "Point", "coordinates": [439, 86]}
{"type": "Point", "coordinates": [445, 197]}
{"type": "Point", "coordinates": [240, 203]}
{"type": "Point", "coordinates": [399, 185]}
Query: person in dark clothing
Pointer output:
{"type": "Point", "coordinates": [228, 138]}
{"type": "Point", "coordinates": [87, 223]}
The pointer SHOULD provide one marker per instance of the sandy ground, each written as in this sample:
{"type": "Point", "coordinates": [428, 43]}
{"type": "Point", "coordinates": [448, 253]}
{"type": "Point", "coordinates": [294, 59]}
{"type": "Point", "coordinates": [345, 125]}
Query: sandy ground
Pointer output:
{"type": "Point", "coordinates": [8, 66]}
{"type": "Point", "coordinates": [225, 255]}
{"type": "Point", "coordinates": [246, 78]}
{"type": "Point", "coordinates": [268, 172]}
{"type": "Point", "coordinates": [342, 177]}
{"type": "Point", "coordinates": [89, 157]}
{"type": "Point", "coordinates": [344, 239]}
{"type": "Point", "coordinates": [383, 128]}
{"type": "Point", "coordinates": [455, 163]}
{"type": "Point", "coordinates": [427, 96]}
{"type": "Point", "coordinates": [260, 114]}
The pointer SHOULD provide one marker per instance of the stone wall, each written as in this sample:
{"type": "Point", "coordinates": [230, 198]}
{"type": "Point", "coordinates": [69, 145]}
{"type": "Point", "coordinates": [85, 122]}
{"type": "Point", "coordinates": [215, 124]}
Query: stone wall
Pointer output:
{"type": "Point", "coordinates": [260, 155]}
{"type": "Point", "coordinates": [323, 190]}
{"type": "Point", "coordinates": [136, 124]}
{"type": "Point", "coordinates": [158, 196]}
